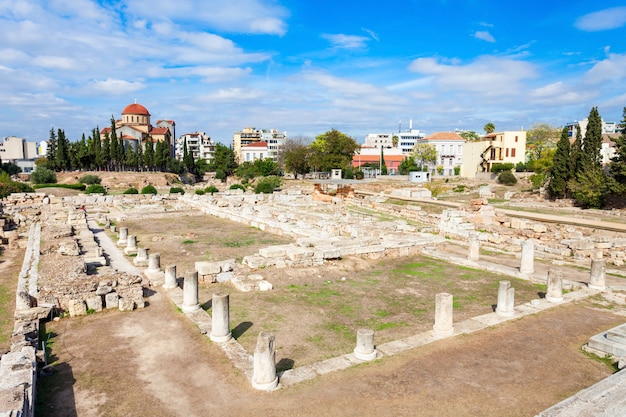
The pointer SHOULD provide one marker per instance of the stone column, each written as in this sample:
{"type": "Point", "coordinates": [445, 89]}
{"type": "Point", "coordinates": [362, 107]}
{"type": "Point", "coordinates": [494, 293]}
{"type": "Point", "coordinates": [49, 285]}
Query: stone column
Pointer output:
{"type": "Point", "coordinates": [131, 245]}
{"type": "Point", "coordinates": [554, 293]}
{"type": "Point", "coordinates": [220, 318]}
{"type": "Point", "coordinates": [506, 299]}
{"type": "Point", "coordinates": [598, 274]}
{"type": "Point", "coordinates": [154, 262]}
{"type": "Point", "coordinates": [190, 292]}
{"type": "Point", "coordinates": [113, 228]}
{"type": "Point", "coordinates": [142, 257]}
{"type": "Point", "coordinates": [123, 236]}
{"type": "Point", "coordinates": [365, 349]}
{"type": "Point", "coordinates": [443, 315]}
{"type": "Point", "coordinates": [264, 376]}
{"type": "Point", "coordinates": [170, 277]}
{"type": "Point", "coordinates": [527, 265]}
{"type": "Point", "coordinates": [474, 247]}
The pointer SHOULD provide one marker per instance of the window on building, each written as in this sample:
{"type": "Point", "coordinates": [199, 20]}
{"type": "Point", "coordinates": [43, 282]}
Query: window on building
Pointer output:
{"type": "Point", "coordinates": [507, 152]}
{"type": "Point", "coordinates": [515, 138]}
{"type": "Point", "coordinates": [513, 153]}
{"type": "Point", "coordinates": [459, 149]}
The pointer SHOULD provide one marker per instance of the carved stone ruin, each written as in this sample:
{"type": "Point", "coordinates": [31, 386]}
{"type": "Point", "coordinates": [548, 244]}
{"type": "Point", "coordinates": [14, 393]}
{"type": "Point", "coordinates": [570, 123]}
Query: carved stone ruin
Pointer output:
{"type": "Point", "coordinates": [365, 349]}
{"type": "Point", "coordinates": [154, 262]}
{"type": "Point", "coordinates": [506, 299]}
{"type": "Point", "coordinates": [122, 239]}
{"type": "Point", "coordinates": [527, 265]}
{"type": "Point", "coordinates": [170, 277]}
{"type": "Point", "coordinates": [190, 292]}
{"type": "Point", "coordinates": [554, 293]}
{"type": "Point", "coordinates": [131, 245]}
{"type": "Point", "coordinates": [220, 318]}
{"type": "Point", "coordinates": [443, 315]}
{"type": "Point", "coordinates": [142, 257]}
{"type": "Point", "coordinates": [598, 274]}
{"type": "Point", "coordinates": [264, 376]}
{"type": "Point", "coordinates": [474, 247]}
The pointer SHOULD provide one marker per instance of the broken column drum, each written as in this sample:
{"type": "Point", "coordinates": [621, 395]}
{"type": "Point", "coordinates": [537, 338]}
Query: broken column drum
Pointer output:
{"type": "Point", "coordinates": [123, 236]}
{"type": "Point", "coordinates": [264, 375]}
{"type": "Point", "coordinates": [131, 245]}
{"type": "Point", "coordinates": [220, 318]}
{"type": "Point", "coordinates": [170, 277]}
{"type": "Point", "coordinates": [527, 265]}
{"type": "Point", "coordinates": [190, 292]}
{"type": "Point", "coordinates": [443, 315]}
{"type": "Point", "coordinates": [142, 257]}
{"type": "Point", "coordinates": [154, 262]}
{"type": "Point", "coordinates": [506, 300]}
{"type": "Point", "coordinates": [597, 279]}
{"type": "Point", "coordinates": [365, 349]}
{"type": "Point", "coordinates": [474, 247]}
{"type": "Point", "coordinates": [554, 292]}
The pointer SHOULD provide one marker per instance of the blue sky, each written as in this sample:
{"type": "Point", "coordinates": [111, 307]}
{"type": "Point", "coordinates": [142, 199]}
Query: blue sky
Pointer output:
{"type": "Point", "coordinates": [308, 66]}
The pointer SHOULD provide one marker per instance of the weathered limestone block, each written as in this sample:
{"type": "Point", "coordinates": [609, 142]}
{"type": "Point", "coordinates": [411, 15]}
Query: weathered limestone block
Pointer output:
{"type": "Point", "coordinates": [506, 299]}
{"type": "Point", "coordinates": [273, 252]}
{"type": "Point", "coordinates": [597, 279]}
{"type": "Point", "coordinates": [208, 268]}
{"type": "Point", "coordinates": [126, 304]}
{"type": "Point", "coordinates": [264, 374]}
{"type": "Point", "coordinates": [263, 285]}
{"type": "Point", "coordinates": [77, 308]}
{"type": "Point", "coordinates": [554, 292]}
{"type": "Point", "coordinates": [224, 276]}
{"type": "Point", "coordinates": [94, 303]}
{"type": "Point", "coordinates": [443, 326]}
{"type": "Point", "coordinates": [111, 300]}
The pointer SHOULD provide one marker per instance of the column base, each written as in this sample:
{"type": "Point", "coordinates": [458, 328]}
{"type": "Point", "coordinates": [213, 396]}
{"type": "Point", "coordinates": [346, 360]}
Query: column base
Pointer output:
{"type": "Point", "coordinates": [190, 309]}
{"type": "Point", "coordinates": [220, 339]}
{"type": "Point", "coordinates": [597, 287]}
{"type": "Point", "coordinates": [270, 386]}
{"type": "Point", "coordinates": [365, 356]}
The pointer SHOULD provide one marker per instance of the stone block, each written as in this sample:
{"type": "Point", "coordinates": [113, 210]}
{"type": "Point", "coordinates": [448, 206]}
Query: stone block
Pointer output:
{"type": "Point", "coordinates": [224, 276]}
{"type": "Point", "coordinates": [539, 228]}
{"type": "Point", "coordinates": [111, 300]}
{"type": "Point", "coordinates": [208, 268]}
{"type": "Point", "coordinates": [94, 303]}
{"type": "Point", "coordinates": [273, 252]}
{"type": "Point", "coordinates": [77, 308]}
{"type": "Point", "coordinates": [126, 304]}
{"type": "Point", "coordinates": [296, 253]}
{"type": "Point", "coordinates": [264, 285]}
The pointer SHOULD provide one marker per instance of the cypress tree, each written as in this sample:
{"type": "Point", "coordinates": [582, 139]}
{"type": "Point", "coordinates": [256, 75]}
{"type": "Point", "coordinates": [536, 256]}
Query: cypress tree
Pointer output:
{"type": "Point", "coordinates": [618, 162]}
{"type": "Point", "coordinates": [52, 149]}
{"type": "Point", "coordinates": [561, 168]}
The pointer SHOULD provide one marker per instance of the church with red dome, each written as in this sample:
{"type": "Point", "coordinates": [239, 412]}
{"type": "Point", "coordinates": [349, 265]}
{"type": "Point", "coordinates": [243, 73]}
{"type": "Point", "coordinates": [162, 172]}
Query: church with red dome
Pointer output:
{"type": "Point", "coordinates": [135, 128]}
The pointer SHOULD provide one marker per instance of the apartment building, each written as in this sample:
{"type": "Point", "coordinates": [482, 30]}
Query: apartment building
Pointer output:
{"type": "Point", "coordinates": [494, 148]}
{"type": "Point", "coordinates": [273, 138]}
{"type": "Point", "coordinates": [19, 152]}
{"type": "Point", "coordinates": [449, 146]}
{"type": "Point", "coordinates": [199, 144]}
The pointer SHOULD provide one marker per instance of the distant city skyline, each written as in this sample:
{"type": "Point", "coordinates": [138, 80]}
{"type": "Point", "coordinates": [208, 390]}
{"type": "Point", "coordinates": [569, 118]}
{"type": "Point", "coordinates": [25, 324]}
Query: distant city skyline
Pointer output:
{"type": "Point", "coordinates": [306, 67]}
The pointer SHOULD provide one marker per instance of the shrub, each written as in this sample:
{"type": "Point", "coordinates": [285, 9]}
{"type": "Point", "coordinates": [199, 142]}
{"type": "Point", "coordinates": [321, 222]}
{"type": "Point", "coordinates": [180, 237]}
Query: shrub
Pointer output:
{"type": "Point", "coordinates": [90, 179]}
{"type": "Point", "coordinates": [95, 189]}
{"type": "Point", "coordinates": [43, 176]}
{"type": "Point", "coordinates": [211, 189]}
{"type": "Point", "coordinates": [507, 178]}
{"type": "Point", "coordinates": [176, 190]}
{"type": "Point", "coordinates": [131, 190]}
{"type": "Point", "coordinates": [148, 189]}
{"type": "Point", "coordinates": [8, 186]}
{"type": "Point", "coordinates": [457, 170]}
{"type": "Point", "coordinates": [537, 180]}
{"type": "Point", "coordinates": [459, 188]}
{"type": "Point", "coordinates": [267, 185]}
{"type": "Point", "coordinates": [359, 175]}
{"type": "Point", "coordinates": [435, 188]}
{"type": "Point", "coordinates": [199, 192]}
{"type": "Point", "coordinates": [237, 186]}
{"type": "Point", "coordinates": [440, 169]}
{"type": "Point", "coordinates": [520, 167]}
{"type": "Point", "coordinates": [498, 168]}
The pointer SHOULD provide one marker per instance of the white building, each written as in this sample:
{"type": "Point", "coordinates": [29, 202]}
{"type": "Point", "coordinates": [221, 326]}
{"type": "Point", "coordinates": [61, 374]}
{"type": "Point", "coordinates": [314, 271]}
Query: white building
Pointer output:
{"type": "Point", "coordinates": [572, 127]}
{"type": "Point", "coordinates": [449, 146]}
{"type": "Point", "coordinates": [379, 140]}
{"type": "Point", "coordinates": [250, 135]}
{"type": "Point", "coordinates": [254, 151]}
{"type": "Point", "coordinates": [19, 151]}
{"type": "Point", "coordinates": [199, 144]}
{"type": "Point", "coordinates": [408, 139]}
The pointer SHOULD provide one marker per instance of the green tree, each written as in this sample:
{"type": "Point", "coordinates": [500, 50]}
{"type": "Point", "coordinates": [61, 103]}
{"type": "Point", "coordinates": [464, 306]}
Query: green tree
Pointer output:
{"type": "Point", "coordinates": [105, 152]}
{"type": "Point", "coordinates": [424, 154]}
{"type": "Point", "coordinates": [383, 165]}
{"type": "Point", "coordinates": [295, 156]}
{"type": "Point", "coordinates": [188, 160]}
{"type": "Point", "coordinates": [618, 162]}
{"type": "Point", "coordinates": [332, 149]}
{"type": "Point", "coordinates": [52, 150]}
{"type": "Point", "coordinates": [540, 136]}
{"type": "Point", "coordinates": [394, 141]}
{"type": "Point", "coordinates": [148, 156]}
{"type": "Point", "coordinates": [61, 156]}
{"type": "Point", "coordinates": [223, 163]}
{"type": "Point", "coordinates": [162, 155]}
{"type": "Point", "coordinates": [561, 168]}
{"type": "Point", "coordinates": [265, 167]}
{"type": "Point", "coordinates": [43, 175]}
{"type": "Point", "coordinates": [407, 165]}
{"type": "Point", "coordinates": [114, 147]}
{"type": "Point", "coordinates": [469, 135]}
{"type": "Point", "coordinates": [489, 128]}
{"type": "Point", "coordinates": [576, 154]}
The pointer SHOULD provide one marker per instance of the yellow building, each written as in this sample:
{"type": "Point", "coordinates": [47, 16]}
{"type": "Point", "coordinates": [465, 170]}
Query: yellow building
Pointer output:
{"type": "Point", "coordinates": [495, 148]}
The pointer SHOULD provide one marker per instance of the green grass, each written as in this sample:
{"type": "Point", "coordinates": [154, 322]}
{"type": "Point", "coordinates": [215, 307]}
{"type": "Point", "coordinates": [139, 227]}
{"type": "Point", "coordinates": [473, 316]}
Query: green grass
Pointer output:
{"type": "Point", "coordinates": [606, 359]}
{"type": "Point", "coordinates": [189, 242]}
{"type": "Point", "coordinates": [6, 317]}
{"type": "Point", "coordinates": [238, 243]}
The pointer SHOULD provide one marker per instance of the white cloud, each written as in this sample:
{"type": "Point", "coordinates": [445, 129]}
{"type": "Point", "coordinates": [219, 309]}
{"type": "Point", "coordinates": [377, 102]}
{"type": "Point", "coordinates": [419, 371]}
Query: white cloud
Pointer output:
{"type": "Point", "coordinates": [612, 18]}
{"type": "Point", "coordinates": [342, 41]}
{"type": "Point", "coordinates": [116, 87]}
{"type": "Point", "coordinates": [488, 75]}
{"type": "Point", "coordinates": [484, 35]}
{"type": "Point", "coordinates": [233, 95]}
{"type": "Point", "coordinates": [559, 93]}
{"type": "Point", "coordinates": [611, 69]}
{"type": "Point", "coordinates": [372, 34]}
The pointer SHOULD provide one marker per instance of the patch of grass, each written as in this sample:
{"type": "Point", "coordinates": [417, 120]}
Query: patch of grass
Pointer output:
{"type": "Point", "coordinates": [238, 243]}
{"type": "Point", "coordinates": [189, 242]}
{"type": "Point", "coordinates": [606, 359]}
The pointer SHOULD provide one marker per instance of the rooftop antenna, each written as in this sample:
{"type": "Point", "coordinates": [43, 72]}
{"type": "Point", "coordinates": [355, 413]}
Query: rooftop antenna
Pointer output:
{"type": "Point", "coordinates": [410, 124]}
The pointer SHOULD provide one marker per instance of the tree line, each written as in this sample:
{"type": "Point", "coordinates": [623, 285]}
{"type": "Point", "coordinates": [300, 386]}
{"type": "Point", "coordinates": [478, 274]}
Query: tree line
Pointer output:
{"type": "Point", "coordinates": [577, 168]}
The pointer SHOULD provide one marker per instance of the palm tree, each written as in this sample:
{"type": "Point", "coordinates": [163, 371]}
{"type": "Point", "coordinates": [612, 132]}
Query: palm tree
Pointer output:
{"type": "Point", "coordinates": [489, 128]}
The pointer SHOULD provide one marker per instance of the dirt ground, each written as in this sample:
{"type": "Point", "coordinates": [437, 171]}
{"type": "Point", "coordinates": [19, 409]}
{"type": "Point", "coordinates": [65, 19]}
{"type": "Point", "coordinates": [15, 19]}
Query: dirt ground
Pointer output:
{"type": "Point", "coordinates": [154, 362]}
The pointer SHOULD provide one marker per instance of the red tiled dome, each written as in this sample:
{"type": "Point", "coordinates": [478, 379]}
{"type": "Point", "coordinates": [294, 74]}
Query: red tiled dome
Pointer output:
{"type": "Point", "coordinates": [136, 109]}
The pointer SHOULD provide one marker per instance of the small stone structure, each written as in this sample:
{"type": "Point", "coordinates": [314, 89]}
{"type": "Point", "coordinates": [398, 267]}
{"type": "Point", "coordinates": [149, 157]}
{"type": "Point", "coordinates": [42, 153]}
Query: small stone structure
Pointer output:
{"type": "Point", "coordinates": [527, 265]}
{"type": "Point", "coordinates": [554, 292]}
{"type": "Point", "coordinates": [443, 326]}
{"type": "Point", "coordinates": [220, 315]}
{"type": "Point", "coordinates": [190, 292]}
{"type": "Point", "coordinates": [598, 274]}
{"type": "Point", "coordinates": [264, 377]}
{"type": "Point", "coordinates": [365, 349]}
{"type": "Point", "coordinates": [506, 299]}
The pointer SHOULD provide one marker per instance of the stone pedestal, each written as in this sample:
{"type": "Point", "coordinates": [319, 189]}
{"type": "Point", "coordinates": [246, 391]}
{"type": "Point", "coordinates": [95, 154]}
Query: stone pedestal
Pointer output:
{"type": "Point", "coordinates": [220, 318]}
{"type": "Point", "coordinates": [122, 239]}
{"type": "Point", "coordinates": [190, 292]}
{"type": "Point", "coordinates": [142, 257]}
{"type": "Point", "coordinates": [154, 262]}
{"type": "Point", "coordinates": [113, 228]}
{"type": "Point", "coordinates": [443, 315]}
{"type": "Point", "coordinates": [474, 247]}
{"type": "Point", "coordinates": [597, 280]}
{"type": "Point", "coordinates": [264, 376]}
{"type": "Point", "coordinates": [365, 349]}
{"type": "Point", "coordinates": [527, 265]}
{"type": "Point", "coordinates": [170, 277]}
{"type": "Point", "coordinates": [131, 245]}
{"type": "Point", "coordinates": [506, 299]}
{"type": "Point", "coordinates": [554, 293]}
